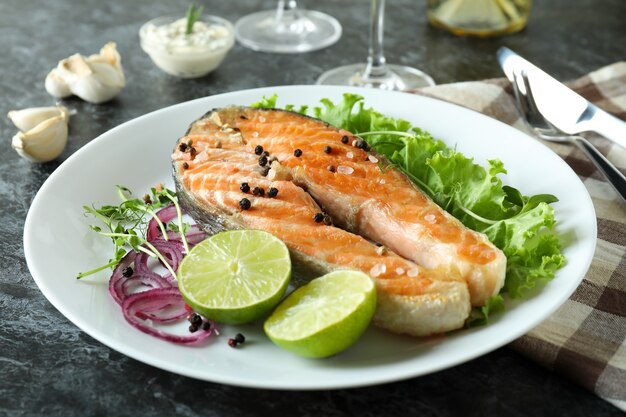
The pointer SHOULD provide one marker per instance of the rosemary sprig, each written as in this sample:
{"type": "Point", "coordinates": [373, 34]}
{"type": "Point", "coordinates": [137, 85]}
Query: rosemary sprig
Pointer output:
{"type": "Point", "coordinates": [193, 14]}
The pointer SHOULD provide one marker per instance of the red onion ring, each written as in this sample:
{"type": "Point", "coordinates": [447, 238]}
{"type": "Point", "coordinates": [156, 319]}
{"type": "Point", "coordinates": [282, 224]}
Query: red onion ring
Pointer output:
{"type": "Point", "coordinates": [165, 215]}
{"type": "Point", "coordinates": [172, 251]}
{"type": "Point", "coordinates": [162, 303]}
{"type": "Point", "coordinates": [194, 235]}
{"type": "Point", "coordinates": [136, 304]}
{"type": "Point", "coordinates": [118, 276]}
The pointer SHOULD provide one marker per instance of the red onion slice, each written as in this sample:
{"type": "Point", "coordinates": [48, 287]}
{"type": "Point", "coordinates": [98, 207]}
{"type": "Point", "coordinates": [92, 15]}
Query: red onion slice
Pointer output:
{"type": "Point", "coordinates": [172, 251]}
{"type": "Point", "coordinates": [162, 302]}
{"type": "Point", "coordinates": [117, 276]}
{"type": "Point", "coordinates": [153, 300]}
{"type": "Point", "coordinates": [194, 235]}
{"type": "Point", "coordinates": [165, 215]}
{"type": "Point", "coordinates": [120, 286]}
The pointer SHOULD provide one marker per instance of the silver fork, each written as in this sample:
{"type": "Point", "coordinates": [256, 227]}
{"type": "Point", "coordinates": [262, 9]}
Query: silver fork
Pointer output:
{"type": "Point", "coordinates": [545, 130]}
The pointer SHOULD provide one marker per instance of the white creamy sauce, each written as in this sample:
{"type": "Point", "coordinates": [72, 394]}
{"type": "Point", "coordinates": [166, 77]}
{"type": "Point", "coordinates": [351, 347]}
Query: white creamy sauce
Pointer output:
{"type": "Point", "coordinates": [172, 37]}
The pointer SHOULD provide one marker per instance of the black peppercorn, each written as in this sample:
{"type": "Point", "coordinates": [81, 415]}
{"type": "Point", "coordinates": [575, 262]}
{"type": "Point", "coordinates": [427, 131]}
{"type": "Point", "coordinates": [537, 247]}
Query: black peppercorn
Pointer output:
{"type": "Point", "coordinates": [206, 325]}
{"type": "Point", "coordinates": [328, 149]}
{"type": "Point", "coordinates": [195, 319]}
{"type": "Point", "coordinates": [263, 160]}
{"type": "Point", "coordinates": [328, 220]}
{"type": "Point", "coordinates": [239, 338]}
{"type": "Point", "coordinates": [193, 328]}
{"type": "Point", "coordinates": [244, 187]}
{"type": "Point", "coordinates": [265, 171]}
{"type": "Point", "coordinates": [182, 146]}
{"type": "Point", "coordinates": [297, 153]}
{"type": "Point", "coordinates": [330, 168]}
{"type": "Point", "coordinates": [258, 191]}
{"type": "Point", "coordinates": [127, 272]}
{"type": "Point", "coordinates": [272, 192]}
{"type": "Point", "coordinates": [232, 343]}
{"type": "Point", "coordinates": [318, 218]}
{"type": "Point", "coordinates": [244, 203]}
{"type": "Point", "coordinates": [345, 139]}
{"type": "Point", "coordinates": [258, 149]}
{"type": "Point", "coordinates": [360, 143]}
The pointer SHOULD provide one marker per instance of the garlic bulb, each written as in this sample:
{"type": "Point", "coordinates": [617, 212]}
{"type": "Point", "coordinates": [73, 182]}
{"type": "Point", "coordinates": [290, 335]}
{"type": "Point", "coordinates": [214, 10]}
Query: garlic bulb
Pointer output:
{"type": "Point", "coordinates": [43, 132]}
{"type": "Point", "coordinates": [96, 79]}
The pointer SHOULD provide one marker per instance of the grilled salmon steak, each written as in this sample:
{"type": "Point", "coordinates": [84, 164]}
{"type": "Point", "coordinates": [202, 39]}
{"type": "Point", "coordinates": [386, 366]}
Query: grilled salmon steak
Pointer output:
{"type": "Point", "coordinates": [323, 192]}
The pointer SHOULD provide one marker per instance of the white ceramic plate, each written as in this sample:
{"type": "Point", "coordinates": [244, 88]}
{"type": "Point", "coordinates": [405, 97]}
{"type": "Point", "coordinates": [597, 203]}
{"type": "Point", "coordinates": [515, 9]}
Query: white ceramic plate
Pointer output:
{"type": "Point", "coordinates": [58, 243]}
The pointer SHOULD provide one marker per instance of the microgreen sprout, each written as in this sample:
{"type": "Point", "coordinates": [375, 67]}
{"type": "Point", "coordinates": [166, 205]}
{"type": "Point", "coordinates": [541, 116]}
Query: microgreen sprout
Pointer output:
{"type": "Point", "coordinates": [127, 222]}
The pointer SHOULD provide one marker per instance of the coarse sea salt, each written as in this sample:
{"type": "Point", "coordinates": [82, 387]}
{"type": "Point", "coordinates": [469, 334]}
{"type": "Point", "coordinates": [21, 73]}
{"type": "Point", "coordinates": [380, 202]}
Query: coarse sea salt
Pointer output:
{"type": "Point", "coordinates": [342, 169]}
{"type": "Point", "coordinates": [400, 271]}
{"type": "Point", "coordinates": [350, 155]}
{"type": "Point", "coordinates": [377, 270]}
{"type": "Point", "coordinates": [413, 272]}
{"type": "Point", "coordinates": [372, 158]}
{"type": "Point", "coordinates": [430, 218]}
{"type": "Point", "coordinates": [202, 156]}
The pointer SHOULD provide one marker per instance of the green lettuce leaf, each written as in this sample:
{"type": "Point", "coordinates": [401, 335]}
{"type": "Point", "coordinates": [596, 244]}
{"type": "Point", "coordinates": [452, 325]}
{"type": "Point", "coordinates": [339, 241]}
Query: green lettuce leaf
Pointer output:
{"type": "Point", "coordinates": [480, 316]}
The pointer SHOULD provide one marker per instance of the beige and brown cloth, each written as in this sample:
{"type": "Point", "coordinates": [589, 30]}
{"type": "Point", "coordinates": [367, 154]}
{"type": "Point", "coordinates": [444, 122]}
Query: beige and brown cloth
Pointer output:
{"type": "Point", "coordinates": [585, 339]}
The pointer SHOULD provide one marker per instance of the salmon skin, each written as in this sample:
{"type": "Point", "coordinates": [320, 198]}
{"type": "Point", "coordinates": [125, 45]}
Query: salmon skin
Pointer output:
{"type": "Point", "coordinates": [323, 192]}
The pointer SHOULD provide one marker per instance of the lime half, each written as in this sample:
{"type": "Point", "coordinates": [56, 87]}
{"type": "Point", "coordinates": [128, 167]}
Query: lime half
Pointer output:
{"type": "Point", "coordinates": [325, 316]}
{"type": "Point", "coordinates": [236, 276]}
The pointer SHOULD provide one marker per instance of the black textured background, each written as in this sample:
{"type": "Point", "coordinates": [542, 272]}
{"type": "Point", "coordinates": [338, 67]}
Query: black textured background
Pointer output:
{"type": "Point", "coordinates": [49, 367]}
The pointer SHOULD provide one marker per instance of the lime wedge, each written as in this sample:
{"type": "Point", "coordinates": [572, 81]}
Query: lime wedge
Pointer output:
{"type": "Point", "coordinates": [325, 316]}
{"type": "Point", "coordinates": [236, 276]}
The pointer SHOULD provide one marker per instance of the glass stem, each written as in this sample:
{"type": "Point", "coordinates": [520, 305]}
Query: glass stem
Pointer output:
{"type": "Point", "coordinates": [376, 67]}
{"type": "Point", "coordinates": [284, 7]}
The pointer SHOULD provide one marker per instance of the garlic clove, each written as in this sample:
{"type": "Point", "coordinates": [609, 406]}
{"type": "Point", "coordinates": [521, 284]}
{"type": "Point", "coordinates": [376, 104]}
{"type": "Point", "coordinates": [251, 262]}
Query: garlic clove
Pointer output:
{"type": "Point", "coordinates": [102, 85]}
{"type": "Point", "coordinates": [27, 119]}
{"type": "Point", "coordinates": [76, 66]}
{"type": "Point", "coordinates": [108, 75]}
{"type": "Point", "coordinates": [56, 85]}
{"type": "Point", "coordinates": [109, 55]}
{"type": "Point", "coordinates": [95, 79]}
{"type": "Point", "coordinates": [44, 142]}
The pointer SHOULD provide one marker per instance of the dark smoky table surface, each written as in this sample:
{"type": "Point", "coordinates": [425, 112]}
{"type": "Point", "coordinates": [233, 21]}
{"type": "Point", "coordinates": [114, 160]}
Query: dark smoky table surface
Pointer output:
{"type": "Point", "coordinates": [50, 367]}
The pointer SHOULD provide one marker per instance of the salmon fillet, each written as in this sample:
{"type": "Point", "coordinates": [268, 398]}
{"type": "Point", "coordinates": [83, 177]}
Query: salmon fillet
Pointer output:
{"type": "Point", "coordinates": [385, 207]}
{"type": "Point", "coordinates": [331, 203]}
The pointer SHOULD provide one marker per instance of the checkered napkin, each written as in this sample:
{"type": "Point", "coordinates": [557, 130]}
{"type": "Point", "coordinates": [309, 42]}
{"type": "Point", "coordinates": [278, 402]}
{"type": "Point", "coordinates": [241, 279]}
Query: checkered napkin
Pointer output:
{"type": "Point", "coordinates": [586, 338]}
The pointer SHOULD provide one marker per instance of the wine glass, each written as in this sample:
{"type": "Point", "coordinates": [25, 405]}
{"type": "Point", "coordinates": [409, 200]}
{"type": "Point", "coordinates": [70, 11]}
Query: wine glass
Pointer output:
{"type": "Point", "coordinates": [376, 73]}
{"type": "Point", "coordinates": [288, 29]}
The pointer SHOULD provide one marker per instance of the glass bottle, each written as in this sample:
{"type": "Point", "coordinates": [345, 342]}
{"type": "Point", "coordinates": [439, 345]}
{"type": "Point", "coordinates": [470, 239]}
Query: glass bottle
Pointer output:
{"type": "Point", "coordinates": [481, 18]}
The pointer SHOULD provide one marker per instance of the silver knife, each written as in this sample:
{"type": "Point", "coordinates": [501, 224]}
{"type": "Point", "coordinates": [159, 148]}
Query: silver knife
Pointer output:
{"type": "Point", "coordinates": [561, 106]}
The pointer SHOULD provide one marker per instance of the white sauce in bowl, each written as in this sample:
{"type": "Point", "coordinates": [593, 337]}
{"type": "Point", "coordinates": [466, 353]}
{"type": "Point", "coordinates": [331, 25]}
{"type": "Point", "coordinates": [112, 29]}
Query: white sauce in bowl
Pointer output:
{"type": "Point", "coordinates": [173, 37]}
{"type": "Point", "coordinates": [187, 55]}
